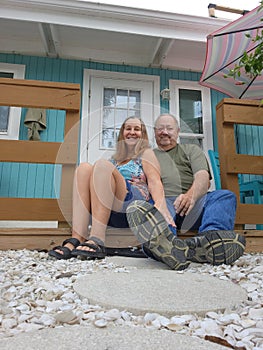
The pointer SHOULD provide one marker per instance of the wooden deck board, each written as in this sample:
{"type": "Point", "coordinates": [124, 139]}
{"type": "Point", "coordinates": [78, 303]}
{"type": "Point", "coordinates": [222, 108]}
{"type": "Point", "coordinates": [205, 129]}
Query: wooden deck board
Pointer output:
{"type": "Point", "coordinates": [46, 239]}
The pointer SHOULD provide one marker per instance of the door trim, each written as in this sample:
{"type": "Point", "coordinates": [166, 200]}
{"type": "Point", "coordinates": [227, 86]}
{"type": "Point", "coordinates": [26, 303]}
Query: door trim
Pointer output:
{"type": "Point", "coordinates": [85, 112]}
{"type": "Point", "coordinates": [174, 85]}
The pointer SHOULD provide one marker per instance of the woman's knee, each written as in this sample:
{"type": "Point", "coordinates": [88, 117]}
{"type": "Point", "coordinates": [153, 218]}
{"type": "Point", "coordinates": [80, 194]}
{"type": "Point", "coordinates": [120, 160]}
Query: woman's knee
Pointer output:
{"type": "Point", "coordinates": [83, 170]}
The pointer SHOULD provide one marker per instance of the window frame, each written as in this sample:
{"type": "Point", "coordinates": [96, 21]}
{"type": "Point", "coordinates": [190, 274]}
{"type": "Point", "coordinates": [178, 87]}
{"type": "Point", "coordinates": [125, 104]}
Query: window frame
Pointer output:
{"type": "Point", "coordinates": [18, 71]}
{"type": "Point", "coordinates": [175, 86]}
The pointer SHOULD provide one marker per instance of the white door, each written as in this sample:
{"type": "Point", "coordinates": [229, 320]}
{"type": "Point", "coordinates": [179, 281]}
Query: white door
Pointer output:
{"type": "Point", "coordinates": [110, 101]}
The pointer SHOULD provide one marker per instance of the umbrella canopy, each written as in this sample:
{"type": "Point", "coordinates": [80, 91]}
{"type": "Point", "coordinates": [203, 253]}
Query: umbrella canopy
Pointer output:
{"type": "Point", "coordinates": [225, 47]}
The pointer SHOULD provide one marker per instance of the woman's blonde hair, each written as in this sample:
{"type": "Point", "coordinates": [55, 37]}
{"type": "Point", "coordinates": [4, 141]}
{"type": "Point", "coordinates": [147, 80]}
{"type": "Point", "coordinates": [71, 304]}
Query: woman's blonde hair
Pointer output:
{"type": "Point", "coordinates": [121, 147]}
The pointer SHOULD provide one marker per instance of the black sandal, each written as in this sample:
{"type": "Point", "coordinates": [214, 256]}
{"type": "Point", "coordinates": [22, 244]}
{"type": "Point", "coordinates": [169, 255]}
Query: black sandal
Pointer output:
{"type": "Point", "coordinates": [98, 246]}
{"type": "Point", "coordinates": [67, 253]}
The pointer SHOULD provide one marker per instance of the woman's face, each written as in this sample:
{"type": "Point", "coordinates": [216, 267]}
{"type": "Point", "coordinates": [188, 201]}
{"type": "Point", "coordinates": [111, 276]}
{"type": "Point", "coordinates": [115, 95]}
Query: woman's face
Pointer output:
{"type": "Point", "coordinates": [132, 131]}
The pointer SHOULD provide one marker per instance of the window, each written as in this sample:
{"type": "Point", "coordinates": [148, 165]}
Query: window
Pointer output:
{"type": "Point", "coordinates": [118, 104]}
{"type": "Point", "coordinates": [190, 103]}
{"type": "Point", "coordinates": [10, 116]}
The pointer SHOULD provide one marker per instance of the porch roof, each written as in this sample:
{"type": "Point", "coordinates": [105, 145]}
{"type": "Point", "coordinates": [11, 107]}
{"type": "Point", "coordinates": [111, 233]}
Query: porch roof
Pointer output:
{"type": "Point", "coordinates": [78, 29]}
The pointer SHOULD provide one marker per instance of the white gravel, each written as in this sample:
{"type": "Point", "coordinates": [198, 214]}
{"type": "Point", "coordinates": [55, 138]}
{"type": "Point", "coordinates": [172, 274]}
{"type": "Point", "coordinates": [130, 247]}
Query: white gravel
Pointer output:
{"type": "Point", "coordinates": [37, 292]}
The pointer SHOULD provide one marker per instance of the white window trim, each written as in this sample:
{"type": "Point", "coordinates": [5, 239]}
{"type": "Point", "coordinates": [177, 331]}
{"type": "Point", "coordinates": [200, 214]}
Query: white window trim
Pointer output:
{"type": "Point", "coordinates": [88, 73]}
{"type": "Point", "coordinates": [18, 71]}
{"type": "Point", "coordinates": [174, 86]}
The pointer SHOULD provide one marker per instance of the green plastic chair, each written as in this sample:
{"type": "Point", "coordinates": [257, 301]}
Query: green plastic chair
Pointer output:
{"type": "Point", "coordinates": [247, 189]}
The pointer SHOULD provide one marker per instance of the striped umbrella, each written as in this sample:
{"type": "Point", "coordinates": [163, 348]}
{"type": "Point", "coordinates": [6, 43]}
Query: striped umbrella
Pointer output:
{"type": "Point", "coordinates": [224, 49]}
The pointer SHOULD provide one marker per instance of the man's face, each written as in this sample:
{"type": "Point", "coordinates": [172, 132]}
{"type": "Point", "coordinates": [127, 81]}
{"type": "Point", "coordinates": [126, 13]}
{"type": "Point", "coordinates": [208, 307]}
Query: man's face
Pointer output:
{"type": "Point", "coordinates": [166, 132]}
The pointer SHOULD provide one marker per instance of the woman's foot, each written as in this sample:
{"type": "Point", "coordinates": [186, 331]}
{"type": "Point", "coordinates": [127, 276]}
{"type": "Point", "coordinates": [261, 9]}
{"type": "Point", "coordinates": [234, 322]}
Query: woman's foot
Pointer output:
{"type": "Point", "coordinates": [64, 252]}
{"type": "Point", "coordinates": [93, 248]}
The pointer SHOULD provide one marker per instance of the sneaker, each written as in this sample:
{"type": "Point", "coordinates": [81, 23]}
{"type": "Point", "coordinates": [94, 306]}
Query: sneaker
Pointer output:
{"type": "Point", "coordinates": [216, 247]}
{"type": "Point", "coordinates": [153, 232]}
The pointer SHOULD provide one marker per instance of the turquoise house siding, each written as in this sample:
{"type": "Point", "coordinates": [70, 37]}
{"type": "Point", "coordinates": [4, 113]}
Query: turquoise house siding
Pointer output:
{"type": "Point", "coordinates": [38, 180]}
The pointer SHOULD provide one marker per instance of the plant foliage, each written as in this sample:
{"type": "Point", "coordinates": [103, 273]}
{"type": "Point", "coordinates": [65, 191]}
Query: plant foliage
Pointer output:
{"type": "Point", "coordinates": [251, 63]}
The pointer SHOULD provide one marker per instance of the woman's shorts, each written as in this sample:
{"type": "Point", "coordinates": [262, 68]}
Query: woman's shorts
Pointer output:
{"type": "Point", "coordinates": [118, 219]}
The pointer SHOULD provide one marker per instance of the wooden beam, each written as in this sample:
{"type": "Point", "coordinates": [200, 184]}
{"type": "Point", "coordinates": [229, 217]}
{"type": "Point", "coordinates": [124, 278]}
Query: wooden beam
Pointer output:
{"type": "Point", "coordinates": [39, 94]}
{"type": "Point", "coordinates": [38, 152]}
{"type": "Point", "coordinates": [244, 164]}
{"type": "Point", "coordinates": [249, 214]}
{"type": "Point", "coordinates": [34, 209]}
{"type": "Point", "coordinates": [46, 239]}
{"type": "Point", "coordinates": [237, 112]}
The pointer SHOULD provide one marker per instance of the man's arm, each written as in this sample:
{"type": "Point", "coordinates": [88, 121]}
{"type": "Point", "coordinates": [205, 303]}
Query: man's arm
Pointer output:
{"type": "Point", "coordinates": [185, 202]}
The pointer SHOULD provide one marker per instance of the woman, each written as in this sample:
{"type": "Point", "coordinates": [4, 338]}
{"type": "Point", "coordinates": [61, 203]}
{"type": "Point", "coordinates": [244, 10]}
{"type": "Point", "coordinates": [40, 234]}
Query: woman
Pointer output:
{"type": "Point", "coordinates": [108, 187]}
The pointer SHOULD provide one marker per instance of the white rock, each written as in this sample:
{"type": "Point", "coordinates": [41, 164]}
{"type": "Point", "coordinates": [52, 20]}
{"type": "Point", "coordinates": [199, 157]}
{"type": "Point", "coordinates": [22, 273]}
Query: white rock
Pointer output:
{"type": "Point", "coordinates": [178, 321]}
{"type": "Point", "coordinates": [101, 323]}
{"type": "Point", "coordinates": [256, 314]}
{"type": "Point", "coordinates": [230, 318]}
{"type": "Point", "coordinates": [9, 323]}
{"type": "Point", "coordinates": [65, 317]}
{"type": "Point", "coordinates": [33, 294]}
{"type": "Point", "coordinates": [156, 323]}
{"type": "Point", "coordinates": [125, 316]}
{"type": "Point", "coordinates": [258, 269]}
{"type": "Point", "coordinates": [164, 321]}
{"type": "Point", "coordinates": [47, 320]}
{"type": "Point", "coordinates": [29, 327]}
{"type": "Point", "coordinates": [213, 315]}
{"type": "Point", "coordinates": [246, 323]}
{"type": "Point", "coordinates": [211, 327]}
{"type": "Point", "coordinates": [23, 308]}
{"type": "Point", "coordinates": [112, 315]}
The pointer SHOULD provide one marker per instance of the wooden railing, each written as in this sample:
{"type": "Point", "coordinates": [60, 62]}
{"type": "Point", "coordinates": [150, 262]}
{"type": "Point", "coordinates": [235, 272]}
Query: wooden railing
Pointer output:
{"type": "Point", "coordinates": [228, 113]}
{"type": "Point", "coordinates": [46, 95]}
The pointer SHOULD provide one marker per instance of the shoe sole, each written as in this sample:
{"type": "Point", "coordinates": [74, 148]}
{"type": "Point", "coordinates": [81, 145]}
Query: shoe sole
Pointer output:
{"type": "Point", "coordinates": [151, 229]}
{"type": "Point", "coordinates": [222, 247]}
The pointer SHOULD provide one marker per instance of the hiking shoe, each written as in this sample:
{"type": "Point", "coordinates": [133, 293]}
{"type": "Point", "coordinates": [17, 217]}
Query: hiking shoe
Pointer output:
{"type": "Point", "coordinates": [216, 247]}
{"type": "Point", "coordinates": [152, 230]}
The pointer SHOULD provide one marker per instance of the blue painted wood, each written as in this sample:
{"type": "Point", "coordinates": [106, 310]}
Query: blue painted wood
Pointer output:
{"type": "Point", "coordinates": [14, 180]}
{"type": "Point", "coordinates": [5, 180]}
{"type": "Point", "coordinates": [23, 175]}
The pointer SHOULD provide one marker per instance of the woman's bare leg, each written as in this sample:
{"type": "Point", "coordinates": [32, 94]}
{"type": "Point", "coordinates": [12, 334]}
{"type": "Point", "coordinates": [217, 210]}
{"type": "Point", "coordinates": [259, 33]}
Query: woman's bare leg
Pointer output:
{"type": "Point", "coordinates": [107, 192]}
{"type": "Point", "coordinates": [81, 203]}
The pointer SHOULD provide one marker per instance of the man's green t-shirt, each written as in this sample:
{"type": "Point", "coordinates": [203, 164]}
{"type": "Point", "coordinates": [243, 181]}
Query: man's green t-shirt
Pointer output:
{"type": "Point", "coordinates": [178, 167]}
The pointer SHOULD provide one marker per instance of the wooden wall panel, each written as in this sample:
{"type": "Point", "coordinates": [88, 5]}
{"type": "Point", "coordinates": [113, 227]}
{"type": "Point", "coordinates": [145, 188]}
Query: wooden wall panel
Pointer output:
{"type": "Point", "coordinates": [67, 98]}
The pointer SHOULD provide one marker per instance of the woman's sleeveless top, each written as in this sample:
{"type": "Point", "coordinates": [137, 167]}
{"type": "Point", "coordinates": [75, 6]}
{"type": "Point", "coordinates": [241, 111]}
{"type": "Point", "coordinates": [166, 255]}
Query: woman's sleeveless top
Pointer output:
{"type": "Point", "coordinates": [134, 174]}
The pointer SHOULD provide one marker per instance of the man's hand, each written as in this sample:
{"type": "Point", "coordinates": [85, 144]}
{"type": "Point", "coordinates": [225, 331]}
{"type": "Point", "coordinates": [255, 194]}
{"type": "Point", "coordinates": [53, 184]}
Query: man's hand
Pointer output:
{"type": "Point", "coordinates": [184, 203]}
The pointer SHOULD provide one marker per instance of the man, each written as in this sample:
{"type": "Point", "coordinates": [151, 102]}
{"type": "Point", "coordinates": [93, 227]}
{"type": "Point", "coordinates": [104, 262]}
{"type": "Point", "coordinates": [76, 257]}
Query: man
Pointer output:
{"type": "Point", "coordinates": [186, 179]}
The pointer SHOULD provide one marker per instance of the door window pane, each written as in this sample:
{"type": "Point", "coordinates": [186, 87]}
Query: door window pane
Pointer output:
{"type": "Point", "coordinates": [118, 104]}
{"type": "Point", "coordinates": [4, 117]}
{"type": "Point", "coordinates": [135, 100]}
{"type": "Point", "coordinates": [122, 98]}
{"type": "Point", "coordinates": [4, 110]}
{"type": "Point", "coordinates": [109, 98]}
{"type": "Point", "coordinates": [191, 115]}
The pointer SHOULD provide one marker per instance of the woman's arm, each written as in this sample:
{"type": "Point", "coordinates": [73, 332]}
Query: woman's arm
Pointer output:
{"type": "Point", "coordinates": [152, 172]}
